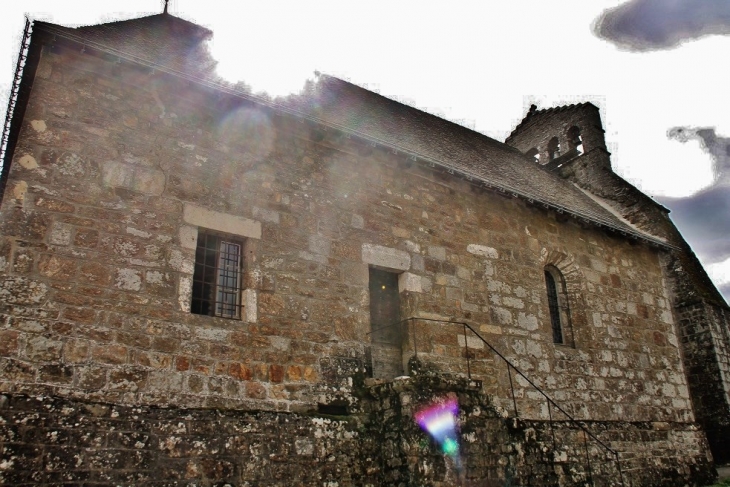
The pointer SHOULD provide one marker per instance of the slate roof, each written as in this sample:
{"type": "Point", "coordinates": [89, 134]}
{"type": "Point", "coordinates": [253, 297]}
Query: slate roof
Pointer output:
{"type": "Point", "coordinates": [416, 133]}
{"type": "Point", "coordinates": [177, 46]}
{"type": "Point", "coordinates": [161, 39]}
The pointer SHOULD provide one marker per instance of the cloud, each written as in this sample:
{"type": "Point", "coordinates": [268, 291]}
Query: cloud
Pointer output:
{"type": "Point", "coordinates": [718, 148]}
{"type": "Point", "coordinates": [645, 25]}
{"type": "Point", "coordinates": [725, 290]}
{"type": "Point", "coordinates": [704, 217]}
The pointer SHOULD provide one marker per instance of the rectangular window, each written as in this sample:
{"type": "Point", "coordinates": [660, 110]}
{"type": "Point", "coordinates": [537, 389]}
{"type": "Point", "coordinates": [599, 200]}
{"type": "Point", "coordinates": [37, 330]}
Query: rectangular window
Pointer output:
{"type": "Point", "coordinates": [217, 276]}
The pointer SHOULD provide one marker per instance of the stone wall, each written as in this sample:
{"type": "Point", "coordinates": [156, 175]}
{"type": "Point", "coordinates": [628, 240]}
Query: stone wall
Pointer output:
{"type": "Point", "coordinates": [707, 351]}
{"type": "Point", "coordinates": [47, 441]}
{"type": "Point", "coordinates": [499, 450]}
{"type": "Point", "coordinates": [704, 318]}
{"type": "Point", "coordinates": [117, 168]}
{"type": "Point", "coordinates": [52, 441]}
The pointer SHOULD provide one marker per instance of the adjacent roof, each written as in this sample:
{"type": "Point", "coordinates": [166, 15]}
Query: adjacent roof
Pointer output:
{"type": "Point", "coordinates": [176, 46]}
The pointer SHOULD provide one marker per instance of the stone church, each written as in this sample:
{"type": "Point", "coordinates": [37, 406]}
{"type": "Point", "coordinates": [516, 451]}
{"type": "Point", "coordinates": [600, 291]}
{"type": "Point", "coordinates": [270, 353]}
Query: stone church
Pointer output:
{"type": "Point", "coordinates": [200, 286]}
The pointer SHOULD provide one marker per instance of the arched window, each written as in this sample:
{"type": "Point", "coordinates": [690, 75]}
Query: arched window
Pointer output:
{"type": "Point", "coordinates": [534, 154]}
{"type": "Point", "coordinates": [558, 304]}
{"type": "Point", "coordinates": [576, 141]}
{"type": "Point", "coordinates": [553, 148]}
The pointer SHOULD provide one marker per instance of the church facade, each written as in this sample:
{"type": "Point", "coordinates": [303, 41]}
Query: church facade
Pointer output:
{"type": "Point", "coordinates": [200, 286]}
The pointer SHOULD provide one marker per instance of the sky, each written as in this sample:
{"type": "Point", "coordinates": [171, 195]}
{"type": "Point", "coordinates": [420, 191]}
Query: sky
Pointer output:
{"type": "Point", "coordinates": [657, 69]}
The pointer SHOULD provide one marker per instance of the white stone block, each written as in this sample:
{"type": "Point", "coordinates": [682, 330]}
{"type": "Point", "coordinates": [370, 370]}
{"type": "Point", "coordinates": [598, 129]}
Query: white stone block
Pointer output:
{"type": "Point", "coordinates": [188, 237]}
{"type": "Point", "coordinates": [136, 178]}
{"type": "Point", "coordinates": [60, 234]}
{"type": "Point", "coordinates": [182, 262]}
{"type": "Point", "coordinates": [436, 252]}
{"type": "Point", "coordinates": [412, 247]}
{"type": "Point", "coordinates": [271, 216]}
{"type": "Point", "coordinates": [386, 257]}
{"type": "Point", "coordinates": [527, 321]}
{"type": "Point", "coordinates": [409, 282]}
{"type": "Point", "coordinates": [471, 341]}
{"type": "Point", "coordinates": [357, 221]}
{"type": "Point", "coordinates": [482, 250]}
{"type": "Point", "coordinates": [129, 279]}
{"type": "Point", "coordinates": [222, 222]}
{"type": "Point", "coordinates": [320, 245]}
{"type": "Point", "coordinates": [250, 305]}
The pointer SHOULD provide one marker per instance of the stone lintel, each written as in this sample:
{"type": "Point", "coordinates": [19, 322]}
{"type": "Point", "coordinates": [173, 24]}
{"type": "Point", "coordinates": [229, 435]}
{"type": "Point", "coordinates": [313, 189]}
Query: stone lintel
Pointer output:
{"type": "Point", "coordinates": [386, 257]}
{"type": "Point", "coordinates": [221, 222]}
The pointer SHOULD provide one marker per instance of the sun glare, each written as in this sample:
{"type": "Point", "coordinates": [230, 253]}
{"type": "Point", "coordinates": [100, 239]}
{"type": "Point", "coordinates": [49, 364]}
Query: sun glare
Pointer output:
{"type": "Point", "coordinates": [440, 421]}
{"type": "Point", "coordinates": [265, 70]}
{"type": "Point", "coordinates": [719, 272]}
{"type": "Point", "coordinates": [668, 167]}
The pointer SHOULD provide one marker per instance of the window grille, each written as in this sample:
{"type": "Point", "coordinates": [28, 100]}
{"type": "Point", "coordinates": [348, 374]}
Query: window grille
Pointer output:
{"type": "Point", "coordinates": [217, 277]}
{"type": "Point", "coordinates": [554, 304]}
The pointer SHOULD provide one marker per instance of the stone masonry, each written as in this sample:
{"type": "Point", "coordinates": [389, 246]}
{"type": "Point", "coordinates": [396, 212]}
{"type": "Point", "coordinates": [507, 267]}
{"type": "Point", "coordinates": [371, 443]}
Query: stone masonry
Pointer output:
{"type": "Point", "coordinates": [108, 378]}
{"type": "Point", "coordinates": [703, 314]}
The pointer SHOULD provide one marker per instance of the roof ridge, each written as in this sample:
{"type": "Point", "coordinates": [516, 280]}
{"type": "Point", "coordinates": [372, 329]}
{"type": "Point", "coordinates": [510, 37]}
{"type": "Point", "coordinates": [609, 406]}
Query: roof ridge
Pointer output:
{"type": "Point", "coordinates": [159, 16]}
{"type": "Point", "coordinates": [424, 112]}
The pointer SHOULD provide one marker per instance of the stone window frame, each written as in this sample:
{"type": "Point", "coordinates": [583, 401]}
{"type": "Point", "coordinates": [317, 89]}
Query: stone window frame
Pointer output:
{"type": "Point", "coordinates": [240, 229]}
{"type": "Point", "coordinates": [558, 306]}
{"type": "Point", "coordinates": [398, 262]}
{"type": "Point", "coordinates": [564, 267]}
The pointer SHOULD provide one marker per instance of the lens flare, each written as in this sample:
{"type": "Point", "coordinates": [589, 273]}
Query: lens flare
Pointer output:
{"type": "Point", "coordinates": [439, 420]}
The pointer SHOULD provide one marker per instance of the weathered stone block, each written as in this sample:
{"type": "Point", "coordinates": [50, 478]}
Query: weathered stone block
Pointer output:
{"type": "Point", "coordinates": [57, 267]}
{"type": "Point", "coordinates": [40, 348]}
{"type": "Point", "coordinates": [386, 257]}
{"type": "Point", "coordinates": [483, 251]}
{"type": "Point", "coordinates": [136, 178]}
{"type": "Point", "coordinates": [222, 222]}
{"type": "Point", "coordinates": [110, 354]}
{"type": "Point", "coordinates": [409, 282]}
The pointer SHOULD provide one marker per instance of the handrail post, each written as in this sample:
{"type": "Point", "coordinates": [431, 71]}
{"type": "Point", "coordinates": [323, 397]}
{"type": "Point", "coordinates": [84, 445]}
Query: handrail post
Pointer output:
{"type": "Point", "coordinates": [618, 466]}
{"type": "Point", "coordinates": [415, 345]}
{"type": "Point", "coordinates": [466, 351]}
{"type": "Point", "coordinates": [552, 430]}
{"type": "Point", "coordinates": [588, 457]}
{"type": "Point", "coordinates": [512, 388]}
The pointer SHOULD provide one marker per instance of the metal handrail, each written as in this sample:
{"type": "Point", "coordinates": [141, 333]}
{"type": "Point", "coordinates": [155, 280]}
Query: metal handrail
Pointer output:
{"type": "Point", "coordinates": [510, 366]}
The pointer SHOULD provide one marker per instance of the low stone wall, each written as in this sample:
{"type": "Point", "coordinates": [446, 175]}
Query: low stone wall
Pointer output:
{"type": "Point", "coordinates": [49, 441]}
{"type": "Point", "coordinates": [52, 441]}
{"type": "Point", "coordinates": [498, 450]}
